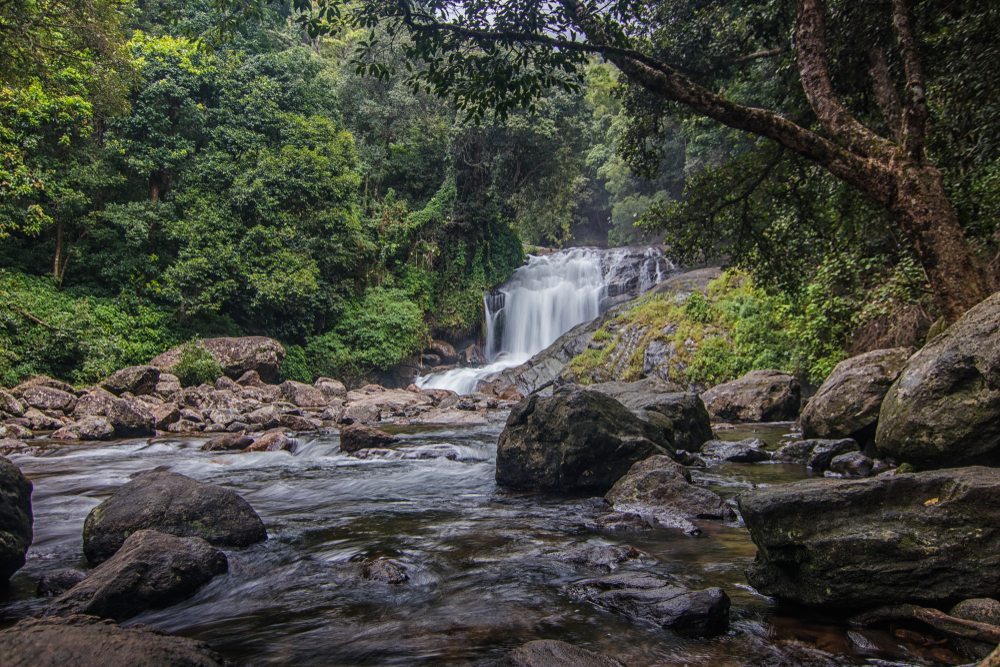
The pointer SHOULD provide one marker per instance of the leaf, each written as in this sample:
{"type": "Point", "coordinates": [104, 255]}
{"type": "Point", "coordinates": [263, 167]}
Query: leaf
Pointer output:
{"type": "Point", "coordinates": [932, 501]}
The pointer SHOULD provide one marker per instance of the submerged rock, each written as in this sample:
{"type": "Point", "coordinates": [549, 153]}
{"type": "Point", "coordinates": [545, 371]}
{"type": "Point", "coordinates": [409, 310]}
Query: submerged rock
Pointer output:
{"type": "Point", "coordinates": [924, 538]}
{"type": "Point", "coordinates": [15, 431]}
{"type": "Point", "coordinates": [620, 521]}
{"type": "Point", "coordinates": [355, 437]}
{"type": "Point", "coordinates": [574, 440]}
{"type": "Point", "coordinates": [750, 450]}
{"type": "Point", "coordinates": [57, 583]}
{"type": "Point", "coordinates": [174, 504]}
{"type": "Point", "coordinates": [273, 441]}
{"type": "Point", "coordinates": [385, 571]}
{"type": "Point", "coordinates": [227, 443]}
{"type": "Point", "coordinates": [87, 641]}
{"type": "Point", "coordinates": [848, 402]}
{"type": "Point", "coordinates": [758, 396]}
{"type": "Point", "coordinates": [604, 556]}
{"type": "Point", "coordinates": [644, 596]}
{"type": "Point", "coordinates": [15, 518]}
{"type": "Point", "coordinates": [944, 410]}
{"type": "Point", "coordinates": [151, 570]}
{"type": "Point", "coordinates": [552, 653]}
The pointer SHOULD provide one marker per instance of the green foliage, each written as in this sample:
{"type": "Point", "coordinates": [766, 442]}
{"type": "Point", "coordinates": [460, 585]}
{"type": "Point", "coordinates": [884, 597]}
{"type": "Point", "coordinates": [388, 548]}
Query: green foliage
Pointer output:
{"type": "Point", "coordinates": [196, 366]}
{"type": "Point", "coordinates": [296, 366]}
{"type": "Point", "coordinates": [698, 309]}
{"type": "Point", "coordinates": [383, 328]}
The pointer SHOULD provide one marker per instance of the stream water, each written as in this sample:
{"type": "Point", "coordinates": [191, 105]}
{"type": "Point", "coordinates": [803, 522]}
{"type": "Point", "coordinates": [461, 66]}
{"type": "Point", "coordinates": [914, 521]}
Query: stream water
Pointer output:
{"type": "Point", "coordinates": [482, 577]}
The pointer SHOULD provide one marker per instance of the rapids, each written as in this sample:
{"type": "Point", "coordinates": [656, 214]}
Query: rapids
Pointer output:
{"type": "Point", "coordinates": [547, 297]}
{"type": "Point", "coordinates": [480, 580]}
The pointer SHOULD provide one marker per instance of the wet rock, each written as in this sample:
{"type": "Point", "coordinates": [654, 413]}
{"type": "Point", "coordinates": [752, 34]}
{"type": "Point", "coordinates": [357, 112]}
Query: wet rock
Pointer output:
{"type": "Point", "coordinates": [574, 440]}
{"type": "Point", "coordinates": [10, 446]}
{"type": "Point", "coordinates": [758, 396]}
{"type": "Point", "coordinates": [87, 641]}
{"type": "Point", "coordinates": [472, 356]}
{"type": "Point", "coordinates": [86, 428]}
{"type": "Point", "coordinates": [239, 427]}
{"type": "Point", "coordinates": [646, 597]}
{"type": "Point", "coordinates": [604, 556]}
{"type": "Point", "coordinates": [796, 451]}
{"type": "Point", "coordinates": [39, 421]}
{"type": "Point", "coordinates": [661, 488]}
{"type": "Point", "coordinates": [57, 583]}
{"type": "Point", "coordinates": [688, 459]}
{"type": "Point", "coordinates": [923, 538]}
{"type": "Point", "coordinates": [135, 380]}
{"type": "Point", "coordinates": [385, 571]}
{"type": "Point", "coordinates": [443, 350]}
{"type": "Point", "coordinates": [40, 381]}
{"type": "Point", "coordinates": [982, 610]}
{"type": "Point", "coordinates": [185, 426]}
{"type": "Point", "coordinates": [848, 402]}
{"type": "Point", "coordinates": [235, 355]}
{"type": "Point", "coordinates": [302, 395]}
{"type": "Point", "coordinates": [334, 413]}
{"type": "Point", "coordinates": [170, 503]}
{"type": "Point", "coordinates": [944, 409]}
{"type": "Point", "coordinates": [825, 451]}
{"type": "Point", "coordinates": [430, 360]}
{"type": "Point", "coordinates": [15, 518]}
{"type": "Point", "coordinates": [750, 450]}
{"type": "Point", "coordinates": [272, 442]}
{"type": "Point", "coordinates": [227, 443]}
{"type": "Point", "coordinates": [10, 405]}
{"type": "Point", "coordinates": [852, 464]}
{"type": "Point", "coordinates": [686, 411]}
{"type": "Point", "coordinates": [331, 388]}
{"type": "Point", "coordinates": [551, 653]}
{"type": "Point", "coordinates": [151, 570]}
{"type": "Point", "coordinates": [422, 453]}
{"type": "Point", "coordinates": [297, 423]}
{"type": "Point", "coordinates": [15, 431]}
{"type": "Point", "coordinates": [620, 521]}
{"type": "Point", "coordinates": [358, 436]}
{"type": "Point", "coordinates": [48, 399]}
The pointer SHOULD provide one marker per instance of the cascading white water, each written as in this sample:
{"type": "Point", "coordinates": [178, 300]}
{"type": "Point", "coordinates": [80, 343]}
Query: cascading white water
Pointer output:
{"type": "Point", "coordinates": [547, 297]}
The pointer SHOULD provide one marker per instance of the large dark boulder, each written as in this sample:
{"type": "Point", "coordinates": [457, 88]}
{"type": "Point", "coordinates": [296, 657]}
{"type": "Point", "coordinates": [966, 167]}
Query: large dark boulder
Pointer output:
{"type": "Point", "coordinates": [758, 396]}
{"type": "Point", "coordinates": [944, 410]}
{"type": "Point", "coordinates": [691, 423]}
{"type": "Point", "coordinates": [134, 380]}
{"type": "Point", "coordinates": [152, 570]}
{"type": "Point", "coordinates": [661, 488]}
{"type": "Point", "coordinates": [848, 402]}
{"type": "Point", "coordinates": [235, 355]}
{"type": "Point", "coordinates": [87, 641]}
{"type": "Point", "coordinates": [982, 610]}
{"type": "Point", "coordinates": [552, 653]}
{"type": "Point", "coordinates": [647, 597]}
{"type": "Point", "coordinates": [924, 538]}
{"type": "Point", "coordinates": [174, 504]}
{"type": "Point", "coordinates": [355, 437]}
{"type": "Point", "coordinates": [15, 518]}
{"type": "Point", "coordinates": [574, 440]}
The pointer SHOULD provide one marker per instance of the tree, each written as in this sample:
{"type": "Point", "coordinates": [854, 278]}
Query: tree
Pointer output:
{"type": "Point", "coordinates": [502, 54]}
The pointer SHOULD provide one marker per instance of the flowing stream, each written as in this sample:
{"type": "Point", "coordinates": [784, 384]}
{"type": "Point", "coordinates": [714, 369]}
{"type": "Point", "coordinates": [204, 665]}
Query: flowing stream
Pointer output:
{"type": "Point", "coordinates": [483, 577]}
{"type": "Point", "coordinates": [547, 297]}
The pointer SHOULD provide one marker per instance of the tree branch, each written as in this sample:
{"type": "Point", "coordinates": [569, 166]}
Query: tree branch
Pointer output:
{"type": "Point", "coordinates": [810, 47]}
{"type": "Point", "coordinates": [915, 107]}
{"type": "Point", "coordinates": [31, 317]}
{"type": "Point", "coordinates": [957, 627]}
{"type": "Point", "coordinates": [885, 93]}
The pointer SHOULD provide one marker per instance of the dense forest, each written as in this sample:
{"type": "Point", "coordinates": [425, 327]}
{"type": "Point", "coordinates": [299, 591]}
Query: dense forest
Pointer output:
{"type": "Point", "coordinates": [160, 183]}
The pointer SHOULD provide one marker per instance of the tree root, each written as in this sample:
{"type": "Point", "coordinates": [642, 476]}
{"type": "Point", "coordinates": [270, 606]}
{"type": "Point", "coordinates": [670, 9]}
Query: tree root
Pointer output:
{"type": "Point", "coordinates": [957, 627]}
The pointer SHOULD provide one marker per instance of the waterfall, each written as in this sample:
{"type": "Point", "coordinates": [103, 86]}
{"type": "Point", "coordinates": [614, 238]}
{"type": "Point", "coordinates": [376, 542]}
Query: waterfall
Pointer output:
{"type": "Point", "coordinates": [547, 297]}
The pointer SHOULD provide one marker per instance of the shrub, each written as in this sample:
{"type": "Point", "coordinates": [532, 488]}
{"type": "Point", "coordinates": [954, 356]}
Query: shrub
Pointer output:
{"type": "Point", "coordinates": [196, 366]}
{"type": "Point", "coordinates": [383, 328]}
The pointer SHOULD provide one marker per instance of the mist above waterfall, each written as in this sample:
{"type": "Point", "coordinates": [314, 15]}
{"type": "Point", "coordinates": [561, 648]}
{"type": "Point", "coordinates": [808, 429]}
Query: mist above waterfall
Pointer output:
{"type": "Point", "coordinates": [547, 297]}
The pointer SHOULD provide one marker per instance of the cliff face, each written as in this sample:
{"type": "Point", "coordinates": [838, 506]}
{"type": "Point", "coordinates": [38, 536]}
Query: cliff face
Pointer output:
{"type": "Point", "coordinates": [630, 341]}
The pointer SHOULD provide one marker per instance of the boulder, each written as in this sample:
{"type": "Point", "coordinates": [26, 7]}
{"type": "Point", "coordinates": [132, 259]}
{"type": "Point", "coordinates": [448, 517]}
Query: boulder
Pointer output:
{"type": "Point", "coordinates": [151, 570]}
{"type": "Point", "coordinates": [15, 518]}
{"type": "Point", "coordinates": [852, 464]}
{"type": "Point", "coordinates": [86, 428]}
{"type": "Point", "coordinates": [361, 414]}
{"type": "Point", "coordinates": [127, 415]}
{"type": "Point", "coordinates": [552, 653]}
{"type": "Point", "coordinates": [758, 396]}
{"type": "Point", "coordinates": [620, 521]}
{"type": "Point", "coordinates": [385, 571]}
{"type": "Point", "coordinates": [331, 389]}
{"type": "Point", "coordinates": [924, 538]}
{"type": "Point", "coordinates": [274, 441]}
{"type": "Point", "coordinates": [40, 381]}
{"type": "Point", "coordinates": [48, 399]}
{"type": "Point", "coordinates": [235, 355]}
{"type": "Point", "coordinates": [15, 431]}
{"type": "Point", "coordinates": [430, 360]}
{"type": "Point", "coordinates": [227, 443]}
{"type": "Point", "coordinates": [56, 583]}
{"type": "Point", "coordinates": [848, 402]}
{"type": "Point", "coordinates": [39, 421]}
{"type": "Point", "coordinates": [691, 423]}
{"type": "Point", "coordinates": [574, 440]}
{"type": "Point", "coordinates": [266, 416]}
{"type": "Point", "coordinates": [302, 395]}
{"type": "Point", "coordinates": [135, 380]}
{"type": "Point", "coordinates": [87, 641]}
{"type": "Point", "coordinates": [96, 402]}
{"type": "Point", "coordinates": [661, 489]}
{"type": "Point", "coordinates": [944, 409]}
{"type": "Point", "coordinates": [223, 416]}
{"type": "Point", "coordinates": [444, 350]}
{"type": "Point", "coordinates": [750, 450]}
{"type": "Point", "coordinates": [10, 405]}
{"type": "Point", "coordinates": [185, 426]}
{"type": "Point", "coordinates": [472, 356]}
{"type": "Point", "coordinates": [297, 423]}
{"type": "Point", "coordinates": [982, 610]}
{"type": "Point", "coordinates": [644, 596]}
{"type": "Point", "coordinates": [602, 556]}
{"type": "Point", "coordinates": [167, 384]}
{"type": "Point", "coordinates": [170, 503]}
{"type": "Point", "coordinates": [825, 451]}
{"type": "Point", "coordinates": [354, 437]}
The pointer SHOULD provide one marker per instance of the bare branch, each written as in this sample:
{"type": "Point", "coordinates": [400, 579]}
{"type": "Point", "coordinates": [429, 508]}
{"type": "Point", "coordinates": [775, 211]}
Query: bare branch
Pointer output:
{"type": "Point", "coordinates": [885, 93]}
{"type": "Point", "coordinates": [915, 106]}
